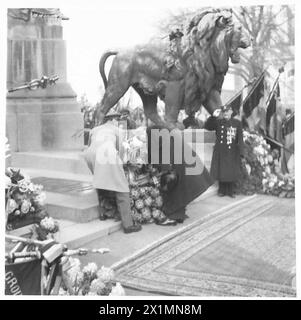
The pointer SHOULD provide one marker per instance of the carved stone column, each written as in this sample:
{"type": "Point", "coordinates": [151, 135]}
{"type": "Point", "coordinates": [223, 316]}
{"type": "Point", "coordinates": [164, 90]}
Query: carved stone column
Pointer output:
{"type": "Point", "coordinates": [44, 119]}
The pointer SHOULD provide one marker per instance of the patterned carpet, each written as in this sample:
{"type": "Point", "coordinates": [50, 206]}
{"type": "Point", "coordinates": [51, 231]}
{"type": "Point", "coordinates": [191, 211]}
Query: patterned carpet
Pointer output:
{"type": "Point", "coordinates": [246, 251]}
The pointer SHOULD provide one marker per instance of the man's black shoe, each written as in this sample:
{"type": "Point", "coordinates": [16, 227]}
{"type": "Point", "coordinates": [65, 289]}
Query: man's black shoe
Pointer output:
{"type": "Point", "coordinates": [133, 228]}
{"type": "Point", "coordinates": [167, 222]}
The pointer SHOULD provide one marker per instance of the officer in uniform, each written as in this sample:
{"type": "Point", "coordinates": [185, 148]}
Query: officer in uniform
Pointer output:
{"type": "Point", "coordinates": [228, 149]}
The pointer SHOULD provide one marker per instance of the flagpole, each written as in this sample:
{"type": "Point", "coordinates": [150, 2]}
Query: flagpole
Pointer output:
{"type": "Point", "coordinates": [280, 70]}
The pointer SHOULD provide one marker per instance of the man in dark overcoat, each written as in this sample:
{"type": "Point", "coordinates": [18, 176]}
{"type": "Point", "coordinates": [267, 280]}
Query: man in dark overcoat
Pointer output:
{"type": "Point", "coordinates": [228, 149]}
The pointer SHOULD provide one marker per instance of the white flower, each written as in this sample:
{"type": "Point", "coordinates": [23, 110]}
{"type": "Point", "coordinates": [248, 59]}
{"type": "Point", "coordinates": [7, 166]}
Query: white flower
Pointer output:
{"type": "Point", "coordinates": [11, 205]}
{"type": "Point", "coordinates": [261, 161]}
{"type": "Point", "coordinates": [48, 223]}
{"type": "Point", "coordinates": [37, 188]}
{"type": "Point", "coordinates": [281, 183]}
{"type": "Point", "coordinates": [264, 181]}
{"type": "Point", "coordinates": [90, 268]}
{"type": "Point", "coordinates": [268, 170]}
{"type": "Point", "coordinates": [62, 292]}
{"type": "Point", "coordinates": [25, 206]}
{"type": "Point", "coordinates": [248, 167]}
{"type": "Point", "coordinates": [270, 158]}
{"type": "Point", "coordinates": [23, 185]}
{"type": "Point", "coordinates": [96, 287]}
{"type": "Point", "coordinates": [117, 290]}
{"type": "Point", "coordinates": [105, 274]}
{"type": "Point", "coordinates": [40, 198]}
{"type": "Point", "coordinates": [259, 150]}
{"type": "Point", "coordinates": [271, 184]}
{"type": "Point", "coordinates": [31, 187]}
{"type": "Point", "coordinates": [74, 273]}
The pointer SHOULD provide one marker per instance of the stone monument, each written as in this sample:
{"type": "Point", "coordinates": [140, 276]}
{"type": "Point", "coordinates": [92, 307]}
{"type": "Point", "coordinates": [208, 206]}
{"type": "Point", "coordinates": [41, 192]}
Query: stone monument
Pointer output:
{"type": "Point", "coordinates": [41, 119]}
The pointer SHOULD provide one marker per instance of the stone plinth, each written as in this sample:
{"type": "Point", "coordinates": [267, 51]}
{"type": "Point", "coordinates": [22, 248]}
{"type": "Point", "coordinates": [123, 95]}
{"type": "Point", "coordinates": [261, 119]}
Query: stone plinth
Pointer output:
{"type": "Point", "coordinates": [43, 119]}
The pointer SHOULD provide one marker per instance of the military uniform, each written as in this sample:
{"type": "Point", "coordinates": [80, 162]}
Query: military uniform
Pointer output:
{"type": "Point", "coordinates": [228, 149]}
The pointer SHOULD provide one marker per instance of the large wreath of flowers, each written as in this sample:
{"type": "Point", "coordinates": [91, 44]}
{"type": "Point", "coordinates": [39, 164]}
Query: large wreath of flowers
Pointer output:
{"type": "Point", "coordinates": [261, 171]}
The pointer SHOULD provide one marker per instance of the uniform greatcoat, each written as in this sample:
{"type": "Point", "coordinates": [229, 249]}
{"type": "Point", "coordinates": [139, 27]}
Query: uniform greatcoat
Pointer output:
{"type": "Point", "coordinates": [229, 147]}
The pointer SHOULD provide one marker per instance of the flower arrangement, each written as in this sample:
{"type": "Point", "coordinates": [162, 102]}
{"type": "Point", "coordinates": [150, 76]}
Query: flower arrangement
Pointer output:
{"type": "Point", "coordinates": [135, 147]}
{"type": "Point", "coordinates": [261, 172]}
{"type": "Point", "coordinates": [45, 229]}
{"type": "Point", "coordinates": [90, 280]}
{"type": "Point", "coordinates": [25, 201]}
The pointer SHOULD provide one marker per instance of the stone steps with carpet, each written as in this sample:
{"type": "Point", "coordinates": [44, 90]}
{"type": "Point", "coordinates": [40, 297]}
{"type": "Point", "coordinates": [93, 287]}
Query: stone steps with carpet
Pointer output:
{"type": "Point", "coordinates": [70, 197]}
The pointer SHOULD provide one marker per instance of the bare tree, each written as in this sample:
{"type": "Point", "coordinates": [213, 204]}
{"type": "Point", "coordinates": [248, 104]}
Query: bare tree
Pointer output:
{"type": "Point", "coordinates": [272, 31]}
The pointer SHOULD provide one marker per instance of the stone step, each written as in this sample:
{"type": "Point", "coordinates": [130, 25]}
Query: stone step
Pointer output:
{"type": "Point", "coordinates": [79, 207]}
{"type": "Point", "coordinates": [63, 161]}
{"type": "Point", "coordinates": [75, 235]}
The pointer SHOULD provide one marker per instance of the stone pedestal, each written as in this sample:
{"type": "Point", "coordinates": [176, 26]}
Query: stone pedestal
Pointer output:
{"type": "Point", "coordinates": [43, 119]}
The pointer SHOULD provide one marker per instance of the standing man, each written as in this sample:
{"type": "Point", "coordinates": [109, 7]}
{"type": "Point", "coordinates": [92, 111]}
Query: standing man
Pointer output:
{"type": "Point", "coordinates": [228, 149]}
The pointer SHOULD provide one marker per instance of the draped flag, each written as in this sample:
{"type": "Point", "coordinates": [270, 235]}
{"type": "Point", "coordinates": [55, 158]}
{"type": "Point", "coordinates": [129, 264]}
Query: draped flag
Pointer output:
{"type": "Point", "coordinates": [272, 123]}
{"type": "Point", "coordinates": [287, 159]}
{"type": "Point", "coordinates": [23, 278]}
{"type": "Point", "coordinates": [253, 105]}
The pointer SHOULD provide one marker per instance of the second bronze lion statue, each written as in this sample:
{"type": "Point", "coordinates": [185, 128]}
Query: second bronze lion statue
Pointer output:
{"type": "Point", "coordinates": [212, 40]}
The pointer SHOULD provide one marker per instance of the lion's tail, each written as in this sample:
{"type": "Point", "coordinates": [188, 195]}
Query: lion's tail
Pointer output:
{"type": "Point", "coordinates": [102, 62]}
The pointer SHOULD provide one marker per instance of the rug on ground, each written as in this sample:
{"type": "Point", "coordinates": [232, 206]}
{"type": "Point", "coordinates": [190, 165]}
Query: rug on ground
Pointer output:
{"type": "Point", "coordinates": [247, 250]}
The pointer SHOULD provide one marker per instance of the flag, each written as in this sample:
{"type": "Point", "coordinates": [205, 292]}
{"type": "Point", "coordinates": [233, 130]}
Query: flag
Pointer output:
{"type": "Point", "coordinates": [235, 103]}
{"type": "Point", "coordinates": [271, 110]}
{"type": "Point", "coordinates": [254, 96]}
{"type": "Point", "coordinates": [287, 157]}
{"type": "Point", "coordinates": [254, 107]}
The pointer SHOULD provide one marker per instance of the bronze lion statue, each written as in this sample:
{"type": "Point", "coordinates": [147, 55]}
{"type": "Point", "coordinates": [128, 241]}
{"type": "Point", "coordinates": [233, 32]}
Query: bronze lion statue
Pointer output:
{"type": "Point", "coordinates": [194, 79]}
